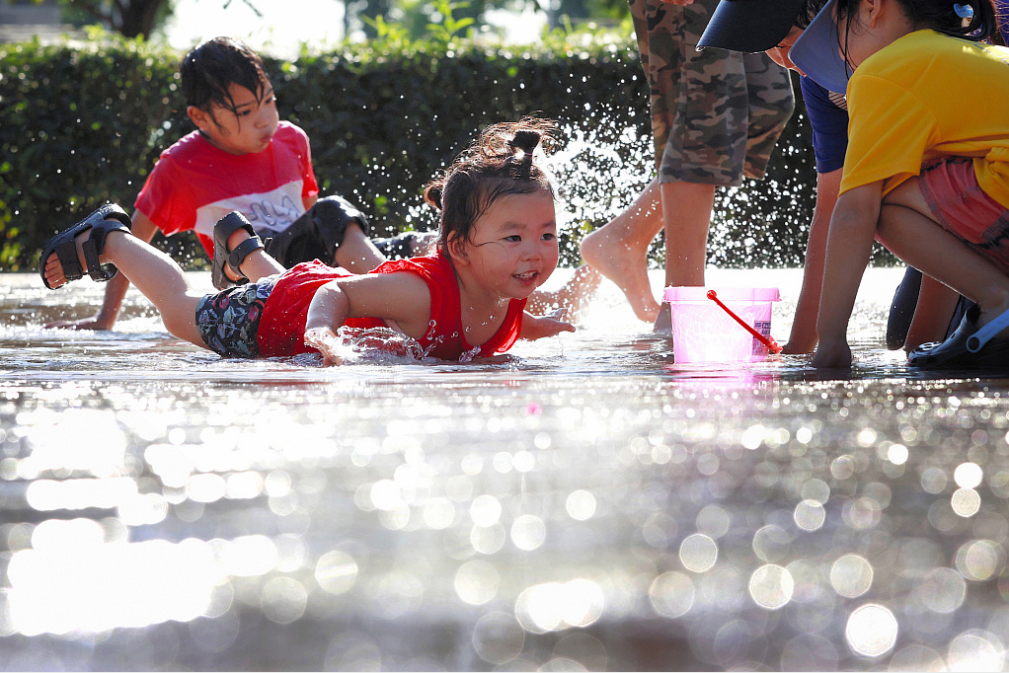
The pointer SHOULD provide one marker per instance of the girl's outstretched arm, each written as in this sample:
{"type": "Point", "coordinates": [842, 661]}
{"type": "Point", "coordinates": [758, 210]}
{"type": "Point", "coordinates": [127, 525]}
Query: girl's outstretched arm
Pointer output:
{"type": "Point", "coordinates": [399, 297]}
{"type": "Point", "coordinates": [849, 244]}
{"type": "Point", "coordinates": [534, 327]}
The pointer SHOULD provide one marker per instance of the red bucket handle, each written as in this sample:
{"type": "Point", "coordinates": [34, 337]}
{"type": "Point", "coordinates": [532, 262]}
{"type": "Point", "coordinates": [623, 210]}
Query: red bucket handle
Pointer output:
{"type": "Point", "coordinates": [771, 344]}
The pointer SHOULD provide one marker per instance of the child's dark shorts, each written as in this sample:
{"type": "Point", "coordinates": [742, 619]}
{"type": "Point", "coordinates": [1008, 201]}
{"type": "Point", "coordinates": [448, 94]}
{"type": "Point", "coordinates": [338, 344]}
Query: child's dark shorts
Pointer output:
{"type": "Point", "coordinates": [317, 234]}
{"type": "Point", "coordinates": [229, 320]}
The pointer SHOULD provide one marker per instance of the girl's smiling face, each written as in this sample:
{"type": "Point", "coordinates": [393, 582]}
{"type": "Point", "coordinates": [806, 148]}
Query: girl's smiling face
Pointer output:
{"type": "Point", "coordinates": [513, 249]}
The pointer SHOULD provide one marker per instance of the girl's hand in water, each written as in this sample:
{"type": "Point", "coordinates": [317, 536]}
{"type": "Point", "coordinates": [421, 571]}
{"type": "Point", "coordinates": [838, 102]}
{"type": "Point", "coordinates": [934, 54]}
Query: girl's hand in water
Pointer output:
{"type": "Point", "coordinates": [326, 342]}
{"type": "Point", "coordinates": [832, 355]}
{"type": "Point", "coordinates": [534, 327]}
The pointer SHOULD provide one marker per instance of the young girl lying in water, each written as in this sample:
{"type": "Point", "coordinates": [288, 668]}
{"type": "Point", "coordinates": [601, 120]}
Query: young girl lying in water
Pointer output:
{"type": "Point", "coordinates": [497, 243]}
{"type": "Point", "coordinates": [927, 167]}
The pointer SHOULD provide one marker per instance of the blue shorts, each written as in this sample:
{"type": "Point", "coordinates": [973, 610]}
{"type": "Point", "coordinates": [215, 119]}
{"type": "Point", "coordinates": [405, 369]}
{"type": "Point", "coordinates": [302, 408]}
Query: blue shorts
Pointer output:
{"type": "Point", "coordinates": [229, 320]}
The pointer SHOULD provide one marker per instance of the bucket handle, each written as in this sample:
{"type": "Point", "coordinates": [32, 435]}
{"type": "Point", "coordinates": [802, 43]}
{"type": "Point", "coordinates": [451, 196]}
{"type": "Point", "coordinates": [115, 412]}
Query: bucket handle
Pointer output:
{"type": "Point", "coordinates": [771, 344]}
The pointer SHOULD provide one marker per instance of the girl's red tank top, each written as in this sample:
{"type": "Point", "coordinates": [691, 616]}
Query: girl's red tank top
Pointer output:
{"type": "Point", "coordinates": [282, 327]}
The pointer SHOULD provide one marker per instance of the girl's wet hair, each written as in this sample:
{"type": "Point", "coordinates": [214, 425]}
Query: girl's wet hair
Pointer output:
{"type": "Point", "coordinates": [808, 12]}
{"type": "Point", "coordinates": [210, 68]}
{"type": "Point", "coordinates": [973, 20]}
{"type": "Point", "coordinates": [501, 162]}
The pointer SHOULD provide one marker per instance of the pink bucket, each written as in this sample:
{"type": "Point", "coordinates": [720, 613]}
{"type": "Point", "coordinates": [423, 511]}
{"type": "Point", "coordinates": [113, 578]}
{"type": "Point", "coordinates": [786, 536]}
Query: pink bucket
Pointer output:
{"type": "Point", "coordinates": [704, 332]}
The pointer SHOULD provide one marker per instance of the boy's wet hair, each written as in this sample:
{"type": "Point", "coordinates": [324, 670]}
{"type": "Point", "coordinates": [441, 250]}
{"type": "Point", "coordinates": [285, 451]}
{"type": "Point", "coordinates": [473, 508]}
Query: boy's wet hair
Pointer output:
{"type": "Point", "coordinates": [942, 16]}
{"type": "Point", "coordinates": [500, 163]}
{"type": "Point", "coordinates": [210, 68]}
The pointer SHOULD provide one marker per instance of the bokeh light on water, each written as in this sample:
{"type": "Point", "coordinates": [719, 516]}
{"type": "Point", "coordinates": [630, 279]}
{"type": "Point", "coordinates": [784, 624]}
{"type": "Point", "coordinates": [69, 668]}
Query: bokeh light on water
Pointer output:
{"type": "Point", "coordinates": [585, 504]}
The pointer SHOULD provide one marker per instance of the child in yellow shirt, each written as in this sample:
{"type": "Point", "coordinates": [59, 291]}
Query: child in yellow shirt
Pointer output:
{"type": "Point", "coordinates": [927, 167]}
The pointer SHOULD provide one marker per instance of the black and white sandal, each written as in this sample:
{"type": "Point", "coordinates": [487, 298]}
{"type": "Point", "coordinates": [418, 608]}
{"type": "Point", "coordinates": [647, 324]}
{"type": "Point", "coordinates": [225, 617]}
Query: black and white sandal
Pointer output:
{"type": "Point", "coordinates": [969, 347]}
{"type": "Point", "coordinates": [109, 217]}
{"type": "Point", "coordinates": [224, 228]}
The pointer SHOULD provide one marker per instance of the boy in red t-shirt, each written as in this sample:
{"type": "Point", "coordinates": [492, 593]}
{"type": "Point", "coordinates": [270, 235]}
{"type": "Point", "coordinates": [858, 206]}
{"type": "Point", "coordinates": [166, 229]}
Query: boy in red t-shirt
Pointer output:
{"type": "Point", "coordinates": [242, 157]}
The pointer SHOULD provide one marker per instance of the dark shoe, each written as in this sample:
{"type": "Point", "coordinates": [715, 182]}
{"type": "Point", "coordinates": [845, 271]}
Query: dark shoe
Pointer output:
{"type": "Point", "coordinates": [969, 347]}
{"type": "Point", "coordinates": [902, 306]}
{"type": "Point", "coordinates": [66, 250]}
{"type": "Point", "coordinates": [224, 228]}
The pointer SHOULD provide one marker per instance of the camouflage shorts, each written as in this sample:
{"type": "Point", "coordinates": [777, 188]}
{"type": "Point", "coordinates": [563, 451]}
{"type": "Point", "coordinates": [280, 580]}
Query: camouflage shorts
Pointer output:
{"type": "Point", "coordinates": [716, 114]}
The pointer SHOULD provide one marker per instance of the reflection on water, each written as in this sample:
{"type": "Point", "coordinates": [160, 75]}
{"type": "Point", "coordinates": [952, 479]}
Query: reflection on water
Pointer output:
{"type": "Point", "coordinates": [585, 504]}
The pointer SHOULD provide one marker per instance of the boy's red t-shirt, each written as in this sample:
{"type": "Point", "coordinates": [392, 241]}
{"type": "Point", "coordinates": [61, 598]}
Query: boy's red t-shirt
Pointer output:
{"type": "Point", "coordinates": [195, 184]}
{"type": "Point", "coordinates": [282, 327]}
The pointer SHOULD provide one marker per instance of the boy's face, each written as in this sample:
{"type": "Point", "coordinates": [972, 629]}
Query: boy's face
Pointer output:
{"type": "Point", "coordinates": [248, 128]}
{"type": "Point", "coordinates": [779, 54]}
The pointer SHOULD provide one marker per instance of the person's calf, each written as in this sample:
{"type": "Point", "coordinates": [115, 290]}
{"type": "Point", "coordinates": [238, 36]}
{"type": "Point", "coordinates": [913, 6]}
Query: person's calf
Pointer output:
{"type": "Point", "coordinates": [357, 253]}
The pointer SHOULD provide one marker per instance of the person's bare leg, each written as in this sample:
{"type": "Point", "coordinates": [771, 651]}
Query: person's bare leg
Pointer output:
{"type": "Point", "coordinates": [619, 250]}
{"type": "Point", "coordinates": [907, 229]}
{"type": "Point", "coordinates": [932, 313]}
{"type": "Point", "coordinates": [573, 297]}
{"type": "Point", "coordinates": [357, 253]}
{"type": "Point", "coordinates": [686, 210]}
{"type": "Point", "coordinates": [155, 274]}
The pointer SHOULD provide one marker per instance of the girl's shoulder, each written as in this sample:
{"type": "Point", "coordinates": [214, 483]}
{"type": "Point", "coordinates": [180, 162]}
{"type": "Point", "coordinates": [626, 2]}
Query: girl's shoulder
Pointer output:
{"type": "Point", "coordinates": [435, 268]}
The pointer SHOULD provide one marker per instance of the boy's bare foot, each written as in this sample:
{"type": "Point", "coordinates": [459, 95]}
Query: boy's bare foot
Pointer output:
{"type": "Point", "coordinates": [626, 264]}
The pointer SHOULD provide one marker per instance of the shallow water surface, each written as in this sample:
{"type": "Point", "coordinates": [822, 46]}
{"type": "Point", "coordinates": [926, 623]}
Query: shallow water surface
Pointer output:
{"type": "Point", "coordinates": [582, 504]}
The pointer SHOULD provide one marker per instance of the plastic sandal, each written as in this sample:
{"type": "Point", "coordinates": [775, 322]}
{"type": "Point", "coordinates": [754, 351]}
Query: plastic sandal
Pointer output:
{"type": "Point", "coordinates": [969, 347]}
{"type": "Point", "coordinates": [224, 228]}
{"type": "Point", "coordinates": [109, 217]}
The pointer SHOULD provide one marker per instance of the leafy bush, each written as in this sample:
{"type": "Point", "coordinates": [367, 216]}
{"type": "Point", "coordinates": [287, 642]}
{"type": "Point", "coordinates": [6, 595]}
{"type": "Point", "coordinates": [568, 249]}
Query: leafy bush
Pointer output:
{"type": "Point", "coordinates": [80, 126]}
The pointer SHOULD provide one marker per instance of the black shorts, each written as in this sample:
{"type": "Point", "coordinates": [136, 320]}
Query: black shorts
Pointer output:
{"type": "Point", "coordinates": [317, 234]}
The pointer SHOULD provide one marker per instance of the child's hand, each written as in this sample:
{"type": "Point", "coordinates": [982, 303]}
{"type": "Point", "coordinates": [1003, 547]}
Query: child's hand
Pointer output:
{"type": "Point", "coordinates": [326, 342]}
{"type": "Point", "coordinates": [832, 355]}
{"type": "Point", "coordinates": [534, 327]}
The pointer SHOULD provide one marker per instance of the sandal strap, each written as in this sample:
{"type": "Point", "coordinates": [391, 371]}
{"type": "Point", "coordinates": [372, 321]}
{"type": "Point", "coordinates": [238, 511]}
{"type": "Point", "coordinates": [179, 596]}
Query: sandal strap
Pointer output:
{"type": "Point", "coordinates": [241, 251]}
{"type": "Point", "coordinates": [66, 253]}
{"type": "Point", "coordinates": [91, 258]}
{"type": "Point", "coordinates": [976, 341]}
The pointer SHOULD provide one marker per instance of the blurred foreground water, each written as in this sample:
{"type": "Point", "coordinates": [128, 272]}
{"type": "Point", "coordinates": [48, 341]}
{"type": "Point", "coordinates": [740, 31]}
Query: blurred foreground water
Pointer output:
{"type": "Point", "coordinates": [583, 504]}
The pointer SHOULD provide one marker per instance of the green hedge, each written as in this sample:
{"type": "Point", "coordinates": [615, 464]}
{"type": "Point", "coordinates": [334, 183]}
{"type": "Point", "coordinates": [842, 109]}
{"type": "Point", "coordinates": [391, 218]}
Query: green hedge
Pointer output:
{"type": "Point", "coordinates": [82, 126]}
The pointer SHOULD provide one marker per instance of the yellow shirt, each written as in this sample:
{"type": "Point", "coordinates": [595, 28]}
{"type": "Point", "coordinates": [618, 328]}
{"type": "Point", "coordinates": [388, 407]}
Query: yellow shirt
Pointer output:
{"type": "Point", "coordinates": [925, 96]}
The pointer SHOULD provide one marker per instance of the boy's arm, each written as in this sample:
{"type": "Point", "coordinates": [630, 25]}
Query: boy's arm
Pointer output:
{"type": "Point", "coordinates": [535, 327]}
{"type": "Point", "coordinates": [400, 297]}
{"type": "Point", "coordinates": [803, 335]}
{"type": "Point", "coordinates": [849, 244]}
{"type": "Point", "coordinates": [116, 288]}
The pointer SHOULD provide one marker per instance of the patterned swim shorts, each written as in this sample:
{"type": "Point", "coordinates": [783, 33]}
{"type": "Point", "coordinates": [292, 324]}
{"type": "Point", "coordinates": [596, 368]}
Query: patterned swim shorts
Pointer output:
{"type": "Point", "coordinates": [229, 321]}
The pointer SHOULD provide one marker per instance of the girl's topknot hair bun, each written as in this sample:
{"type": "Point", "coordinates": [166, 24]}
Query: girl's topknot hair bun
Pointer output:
{"type": "Point", "coordinates": [432, 194]}
{"type": "Point", "coordinates": [526, 140]}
